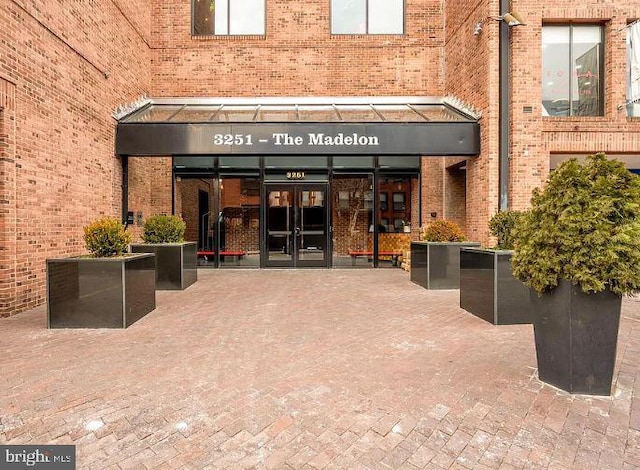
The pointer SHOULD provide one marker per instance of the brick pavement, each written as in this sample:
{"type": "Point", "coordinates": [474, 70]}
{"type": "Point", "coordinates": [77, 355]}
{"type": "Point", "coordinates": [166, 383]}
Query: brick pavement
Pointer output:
{"type": "Point", "coordinates": [309, 369]}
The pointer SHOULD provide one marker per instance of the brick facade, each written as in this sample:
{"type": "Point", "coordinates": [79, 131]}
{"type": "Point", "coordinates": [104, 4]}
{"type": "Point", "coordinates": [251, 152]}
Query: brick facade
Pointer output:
{"type": "Point", "coordinates": [472, 74]}
{"type": "Point", "coordinates": [64, 70]}
{"type": "Point", "coordinates": [298, 56]}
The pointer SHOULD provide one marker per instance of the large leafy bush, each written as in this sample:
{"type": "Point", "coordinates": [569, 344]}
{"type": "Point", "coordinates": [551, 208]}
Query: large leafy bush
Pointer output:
{"type": "Point", "coordinates": [584, 227]}
{"type": "Point", "coordinates": [106, 237]}
{"type": "Point", "coordinates": [502, 225]}
{"type": "Point", "coordinates": [443, 231]}
{"type": "Point", "coordinates": [163, 229]}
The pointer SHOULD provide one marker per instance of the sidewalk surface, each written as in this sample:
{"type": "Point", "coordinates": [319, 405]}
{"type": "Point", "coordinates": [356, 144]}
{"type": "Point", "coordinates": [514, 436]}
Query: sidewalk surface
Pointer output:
{"type": "Point", "coordinates": [309, 369]}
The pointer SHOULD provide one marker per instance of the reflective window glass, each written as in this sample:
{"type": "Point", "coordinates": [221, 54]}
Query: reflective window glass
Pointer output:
{"type": "Point", "coordinates": [399, 161]}
{"type": "Point", "coordinates": [572, 62]}
{"type": "Point", "coordinates": [295, 162]}
{"type": "Point", "coordinates": [357, 113]}
{"type": "Point", "coordinates": [196, 114]}
{"type": "Point", "coordinates": [228, 17]}
{"type": "Point", "coordinates": [353, 162]}
{"type": "Point", "coordinates": [246, 16]}
{"type": "Point", "coordinates": [186, 163]}
{"type": "Point", "coordinates": [348, 16]}
{"type": "Point", "coordinates": [239, 222]}
{"type": "Point", "coordinates": [633, 69]}
{"type": "Point", "coordinates": [367, 16]}
{"type": "Point", "coordinates": [235, 113]}
{"type": "Point", "coordinates": [352, 220]}
{"type": "Point", "coordinates": [396, 217]}
{"type": "Point", "coordinates": [239, 162]}
{"type": "Point", "coordinates": [386, 16]}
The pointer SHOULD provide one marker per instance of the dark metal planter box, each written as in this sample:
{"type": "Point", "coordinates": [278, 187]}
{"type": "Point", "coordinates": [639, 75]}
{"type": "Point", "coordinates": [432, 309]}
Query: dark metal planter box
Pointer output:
{"type": "Point", "coordinates": [436, 265]}
{"type": "Point", "coordinates": [576, 337]}
{"type": "Point", "coordinates": [489, 290]}
{"type": "Point", "coordinates": [176, 263]}
{"type": "Point", "coordinates": [100, 292]}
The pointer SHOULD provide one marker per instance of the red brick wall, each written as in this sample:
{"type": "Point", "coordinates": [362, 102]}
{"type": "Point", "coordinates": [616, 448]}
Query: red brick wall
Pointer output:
{"type": "Point", "coordinates": [187, 190]}
{"type": "Point", "coordinates": [455, 197]}
{"type": "Point", "coordinates": [149, 189]}
{"type": "Point", "coordinates": [58, 170]}
{"type": "Point", "coordinates": [64, 70]}
{"type": "Point", "coordinates": [472, 74]}
{"type": "Point", "coordinates": [432, 188]}
{"type": "Point", "coordinates": [612, 133]}
{"type": "Point", "coordinates": [7, 197]}
{"type": "Point", "coordinates": [298, 55]}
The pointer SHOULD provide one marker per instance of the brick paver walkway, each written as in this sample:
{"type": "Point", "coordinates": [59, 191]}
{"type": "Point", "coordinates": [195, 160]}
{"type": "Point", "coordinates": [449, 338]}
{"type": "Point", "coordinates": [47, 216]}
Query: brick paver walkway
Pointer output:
{"type": "Point", "coordinates": [309, 369]}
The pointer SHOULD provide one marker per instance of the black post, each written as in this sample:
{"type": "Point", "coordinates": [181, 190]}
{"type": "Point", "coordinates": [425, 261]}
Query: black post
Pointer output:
{"type": "Point", "coordinates": [504, 115]}
{"type": "Point", "coordinates": [125, 188]}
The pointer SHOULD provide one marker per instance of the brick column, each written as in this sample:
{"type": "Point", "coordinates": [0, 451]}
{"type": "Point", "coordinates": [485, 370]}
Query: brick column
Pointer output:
{"type": "Point", "coordinates": [7, 198]}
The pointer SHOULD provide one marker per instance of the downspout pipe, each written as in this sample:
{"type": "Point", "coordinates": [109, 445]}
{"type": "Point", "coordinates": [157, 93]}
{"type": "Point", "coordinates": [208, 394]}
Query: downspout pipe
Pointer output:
{"type": "Point", "coordinates": [503, 113]}
{"type": "Point", "coordinates": [125, 188]}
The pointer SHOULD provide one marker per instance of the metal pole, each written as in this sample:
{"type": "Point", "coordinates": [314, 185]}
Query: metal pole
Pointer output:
{"type": "Point", "coordinates": [504, 114]}
{"type": "Point", "coordinates": [125, 188]}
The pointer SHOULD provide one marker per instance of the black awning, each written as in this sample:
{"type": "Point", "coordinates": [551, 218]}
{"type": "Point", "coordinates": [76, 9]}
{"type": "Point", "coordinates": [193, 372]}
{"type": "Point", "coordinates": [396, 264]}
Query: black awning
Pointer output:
{"type": "Point", "coordinates": [287, 126]}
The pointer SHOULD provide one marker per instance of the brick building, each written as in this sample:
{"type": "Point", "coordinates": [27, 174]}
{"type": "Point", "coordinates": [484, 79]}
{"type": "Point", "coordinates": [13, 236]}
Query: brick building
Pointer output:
{"type": "Point", "coordinates": [77, 78]}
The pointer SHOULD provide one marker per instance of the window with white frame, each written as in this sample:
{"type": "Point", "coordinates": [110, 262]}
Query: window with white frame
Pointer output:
{"type": "Point", "coordinates": [367, 16]}
{"type": "Point", "coordinates": [572, 70]}
{"type": "Point", "coordinates": [228, 17]}
{"type": "Point", "coordinates": [633, 69]}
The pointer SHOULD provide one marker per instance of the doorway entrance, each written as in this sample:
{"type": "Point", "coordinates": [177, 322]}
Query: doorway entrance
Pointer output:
{"type": "Point", "coordinates": [296, 225]}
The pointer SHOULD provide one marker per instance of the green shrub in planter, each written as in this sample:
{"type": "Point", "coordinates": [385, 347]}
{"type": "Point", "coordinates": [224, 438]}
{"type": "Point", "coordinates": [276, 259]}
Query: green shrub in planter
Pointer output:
{"type": "Point", "coordinates": [443, 231]}
{"type": "Point", "coordinates": [109, 289]}
{"type": "Point", "coordinates": [176, 260]}
{"type": "Point", "coordinates": [106, 237]}
{"type": "Point", "coordinates": [583, 227]}
{"type": "Point", "coordinates": [502, 225]}
{"type": "Point", "coordinates": [579, 248]}
{"type": "Point", "coordinates": [164, 229]}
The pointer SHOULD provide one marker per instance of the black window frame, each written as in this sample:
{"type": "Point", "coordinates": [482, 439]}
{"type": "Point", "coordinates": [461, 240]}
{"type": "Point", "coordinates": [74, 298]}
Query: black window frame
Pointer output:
{"type": "Point", "coordinates": [366, 18]}
{"type": "Point", "coordinates": [384, 202]}
{"type": "Point", "coordinates": [402, 205]}
{"type": "Point", "coordinates": [601, 69]}
{"type": "Point", "coordinates": [228, 34]}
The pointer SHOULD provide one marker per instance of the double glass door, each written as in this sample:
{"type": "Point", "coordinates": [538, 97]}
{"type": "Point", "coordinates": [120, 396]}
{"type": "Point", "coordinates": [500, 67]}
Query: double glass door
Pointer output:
{"type": "Point", "coordinates": [296, 225]}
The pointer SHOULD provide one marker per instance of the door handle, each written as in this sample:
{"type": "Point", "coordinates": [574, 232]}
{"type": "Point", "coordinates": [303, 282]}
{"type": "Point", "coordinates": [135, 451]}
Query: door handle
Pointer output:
{"type": "Point", "coordinates": [297, 231]}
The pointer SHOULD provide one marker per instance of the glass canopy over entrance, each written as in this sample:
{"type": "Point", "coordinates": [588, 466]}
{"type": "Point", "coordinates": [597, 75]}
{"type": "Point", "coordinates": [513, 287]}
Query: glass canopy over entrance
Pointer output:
{"type": "Point", "coordinates": [292, 182]}
{"type": "Point", "coordinates": [172, 112]}
{"type": "Point", "coordinates": [299, 126]}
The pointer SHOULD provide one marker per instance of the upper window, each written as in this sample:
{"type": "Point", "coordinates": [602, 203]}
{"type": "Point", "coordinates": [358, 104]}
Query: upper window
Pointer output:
{"type": "Point", "coordinates": [228, 17]}
{"type": "Point", "coordinates": [367, 16]}
{"type": "Point", "coordinates": [572, 70]}
{"type": "Point", "coordinates": [633, 69]}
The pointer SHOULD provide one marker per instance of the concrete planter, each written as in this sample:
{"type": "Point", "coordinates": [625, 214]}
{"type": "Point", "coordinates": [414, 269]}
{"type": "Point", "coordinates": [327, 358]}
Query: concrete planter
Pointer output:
{"type": "Point", "coordinates": [576, 338]}
{"type": "Point", "coordinates": [489, 290]}
{"type": "Point", "coordinates": [436, 265]}
{"type": "Point", "coordinates": [176, 263]}
{"type": "Point", "coordinates": [100, 292]}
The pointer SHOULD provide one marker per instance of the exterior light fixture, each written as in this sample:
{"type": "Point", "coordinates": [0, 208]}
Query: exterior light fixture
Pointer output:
{"type": "Point", "coordinates": [512, 19]}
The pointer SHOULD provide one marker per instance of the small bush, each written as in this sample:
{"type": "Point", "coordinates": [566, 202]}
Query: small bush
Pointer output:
{"type": "Point", "coordinates": [583, 227]}
{"type": "Point", "coordinates": [163, 229]}
{"type": "Point", "coordinates": [501, 226]}
{"type": "Point", "coordinates": [106, 237]}
{"type": "Point", "coordinates": [443, 231]}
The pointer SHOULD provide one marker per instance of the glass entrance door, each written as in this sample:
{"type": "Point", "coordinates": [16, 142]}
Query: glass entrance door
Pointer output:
{"type": "Point", "coordinates": [296, 225]}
